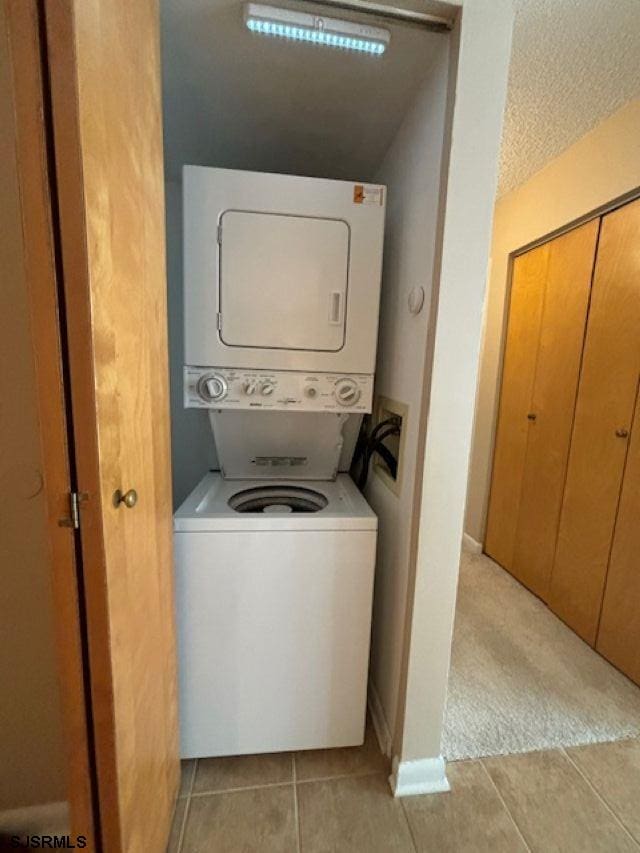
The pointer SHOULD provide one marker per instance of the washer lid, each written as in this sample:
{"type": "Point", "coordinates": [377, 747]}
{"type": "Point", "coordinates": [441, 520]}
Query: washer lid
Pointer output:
{"type": "Point", "coordinates": [278, 445]}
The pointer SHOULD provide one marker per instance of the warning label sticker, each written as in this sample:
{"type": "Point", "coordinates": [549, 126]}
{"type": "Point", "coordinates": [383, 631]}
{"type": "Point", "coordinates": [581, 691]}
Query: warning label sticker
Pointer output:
{"type": "Point", "coordinates": [363, 194]}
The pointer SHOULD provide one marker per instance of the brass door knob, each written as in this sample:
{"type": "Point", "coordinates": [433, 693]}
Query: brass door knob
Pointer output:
{"type": "Point", "coordinates": [129, 499]}
{"type": "Point", "coordinates": [622, 433]}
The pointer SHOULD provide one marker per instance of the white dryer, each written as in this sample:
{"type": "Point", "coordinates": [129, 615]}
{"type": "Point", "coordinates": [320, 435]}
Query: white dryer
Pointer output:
{"type": "Point", "coordinates": [281, 272]}
{"type": "Point", "coordinates": [275, 554]}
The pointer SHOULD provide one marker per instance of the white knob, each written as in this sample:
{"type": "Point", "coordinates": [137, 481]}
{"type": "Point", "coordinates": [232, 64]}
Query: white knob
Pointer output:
{"type": "Point", "coordinates": [347, 392]}
{"type": "Point", "coordinates": [250, 386]}
{"type": "Point", "coordinates": [267, 388]}
{"type": "Point", "coordinates": [212, 387]}
{"type": "Point", "coordinates": [311, 391]}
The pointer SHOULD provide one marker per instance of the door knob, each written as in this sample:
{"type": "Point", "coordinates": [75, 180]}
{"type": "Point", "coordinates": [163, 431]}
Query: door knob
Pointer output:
{"type": "Point", "coordinates": [532, 416]}
{"type": "Point", "coordinates": [622, 433]}
{"type": "Point", "coordinates": [129, 499]}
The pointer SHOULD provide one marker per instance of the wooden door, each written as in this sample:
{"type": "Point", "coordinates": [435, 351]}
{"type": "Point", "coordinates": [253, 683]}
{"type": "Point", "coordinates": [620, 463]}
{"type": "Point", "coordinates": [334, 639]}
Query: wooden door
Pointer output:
{"type": "Point", "coordinates": [103, 60]}
{"type": "Point", "coordinates": [518, 375]}
{"type": "Point", "coordinates": [619, 632]}
{"type": "Point", "coordinates": [550, 297]}
{"type": "Point", "coordinates": [42, 636]}
{"type": "Point", "coordinates": [606, 402]}
{"type": "Point", "coordinates": [567, 289]}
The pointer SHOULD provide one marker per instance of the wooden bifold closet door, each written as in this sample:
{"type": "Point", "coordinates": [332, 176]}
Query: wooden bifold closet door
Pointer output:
{"type": "Point", "coordinates": [564, 512]}
{"type": "Point", "coordinates": [619, 634]}
{"type": "Point", "coordinates": [545, 335]}
{"type": "Point", "coordinates": [603, 419]}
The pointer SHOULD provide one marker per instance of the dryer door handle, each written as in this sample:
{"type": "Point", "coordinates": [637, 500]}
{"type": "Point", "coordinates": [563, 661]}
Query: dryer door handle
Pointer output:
{"type": "Point", "coordinates": [335, 311]}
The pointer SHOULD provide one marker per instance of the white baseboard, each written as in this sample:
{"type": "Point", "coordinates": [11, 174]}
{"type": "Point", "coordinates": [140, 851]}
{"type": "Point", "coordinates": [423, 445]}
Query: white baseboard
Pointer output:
{"type": "Point", "coordinates": [424, 776]}
{"type": "Point", "coordinates": [471, 545]}
{"type": "Point", "coordinates": [379, 720]}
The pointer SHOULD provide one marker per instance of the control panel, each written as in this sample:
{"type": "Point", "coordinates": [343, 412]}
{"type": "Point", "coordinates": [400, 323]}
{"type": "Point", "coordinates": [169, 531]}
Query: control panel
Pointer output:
{"type": "Point", "coordinates": [236, 388]}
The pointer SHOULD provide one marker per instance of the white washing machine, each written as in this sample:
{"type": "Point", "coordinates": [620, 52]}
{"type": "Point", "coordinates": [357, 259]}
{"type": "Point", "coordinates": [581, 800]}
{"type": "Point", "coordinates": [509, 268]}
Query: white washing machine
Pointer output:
{"type": "Point", "coordinates": [274, 590]}
{"type": "Point", "coordinates": [275, 554]}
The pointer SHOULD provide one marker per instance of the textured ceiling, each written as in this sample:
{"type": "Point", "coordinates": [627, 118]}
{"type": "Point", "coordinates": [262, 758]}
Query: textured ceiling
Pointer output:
{"type": "Point", "coordinates": [240, 100]}
{"type": "Point", "coordinates": [574, 63]}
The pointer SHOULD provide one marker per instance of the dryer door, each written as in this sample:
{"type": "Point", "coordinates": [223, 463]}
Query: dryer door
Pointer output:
{"type": "Point", "coordinates": [283, 281]}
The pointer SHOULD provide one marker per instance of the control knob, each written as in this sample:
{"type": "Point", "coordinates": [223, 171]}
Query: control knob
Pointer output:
{"type": "Point", "coordinates": [250, 386]}
{"type": "Point", "coordinates": [267, 387]}
{"type": "Point", "coordinates": [212, 387]}
{"type": "Point", "coordinates": [347, 392]}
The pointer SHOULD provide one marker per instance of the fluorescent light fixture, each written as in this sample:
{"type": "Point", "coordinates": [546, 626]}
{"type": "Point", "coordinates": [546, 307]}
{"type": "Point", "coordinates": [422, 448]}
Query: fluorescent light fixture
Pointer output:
{"type": "Point", "coordinates": [300, 26]}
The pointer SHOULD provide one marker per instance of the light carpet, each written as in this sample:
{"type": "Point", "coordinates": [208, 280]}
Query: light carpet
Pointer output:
{"type": "Point", "coordinates": [521, 680]}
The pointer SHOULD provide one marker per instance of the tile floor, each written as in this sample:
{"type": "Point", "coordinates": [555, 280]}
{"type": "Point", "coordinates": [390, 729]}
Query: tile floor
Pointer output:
{"type": "Point", "coordinates": [579, 800]}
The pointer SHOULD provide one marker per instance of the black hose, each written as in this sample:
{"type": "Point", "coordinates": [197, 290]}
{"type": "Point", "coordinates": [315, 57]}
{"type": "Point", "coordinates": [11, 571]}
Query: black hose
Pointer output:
{"type": "Point", "coordinates": [394, 420]}
{"type": "Point", "coordinates": [365, 440]}
{"type": "Point", "coordinates": [373, 446]}
{"type": "Point", "coordinates": [390, 460]}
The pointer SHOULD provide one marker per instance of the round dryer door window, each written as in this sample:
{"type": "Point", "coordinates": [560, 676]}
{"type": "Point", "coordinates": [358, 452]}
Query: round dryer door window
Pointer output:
{"type": "Point", "coordinates": [278, 499]}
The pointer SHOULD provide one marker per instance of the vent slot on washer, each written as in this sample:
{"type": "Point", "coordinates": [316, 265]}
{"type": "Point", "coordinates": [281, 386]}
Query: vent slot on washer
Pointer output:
{"type": "Point", "coordinates": [280, 461]}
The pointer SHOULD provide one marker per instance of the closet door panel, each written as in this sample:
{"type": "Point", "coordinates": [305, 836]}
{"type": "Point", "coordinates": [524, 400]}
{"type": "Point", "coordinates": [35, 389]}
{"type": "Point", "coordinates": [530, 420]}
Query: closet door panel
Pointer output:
{"type": "Point", "coordinates": [104, 66]}
{"type": "Point", "coordinates": [604, 412]}
{"type": "Point", "coordinates": [523, 332]}
{"type": "Point", "coordinates": [619, 634]}
{"type": "Point", "coordinates": [568, 285]}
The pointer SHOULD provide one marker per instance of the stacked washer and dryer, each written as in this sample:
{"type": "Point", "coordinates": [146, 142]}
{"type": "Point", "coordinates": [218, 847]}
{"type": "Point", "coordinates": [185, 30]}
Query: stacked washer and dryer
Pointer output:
{"type": "Point", "coordinates": [275, 553]}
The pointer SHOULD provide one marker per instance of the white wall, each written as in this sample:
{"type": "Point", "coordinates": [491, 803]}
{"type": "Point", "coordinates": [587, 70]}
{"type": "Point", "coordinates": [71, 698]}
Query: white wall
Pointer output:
{"type": "Point", "coordinates": [411, 170]}
{"type": "Point", "coordinates": [602, 166]}
{"type": "Point", "coordinates": [236, 100]}
{"type": "Point", "coordinates": [480, 88]}
{"type": "Point", "coordinates": [192, 446]}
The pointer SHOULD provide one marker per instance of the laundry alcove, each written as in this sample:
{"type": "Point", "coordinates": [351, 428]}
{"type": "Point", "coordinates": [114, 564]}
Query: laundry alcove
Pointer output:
{"type": "Point", "coordinates": [236, 99]}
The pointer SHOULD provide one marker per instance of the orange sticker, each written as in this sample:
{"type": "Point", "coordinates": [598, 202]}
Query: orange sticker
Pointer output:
{"type": "Point", "coordinates": [363, 194]}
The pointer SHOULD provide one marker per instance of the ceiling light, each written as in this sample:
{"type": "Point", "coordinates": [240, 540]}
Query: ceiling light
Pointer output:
{"type": "Point", "coordinates": [299, 26]}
